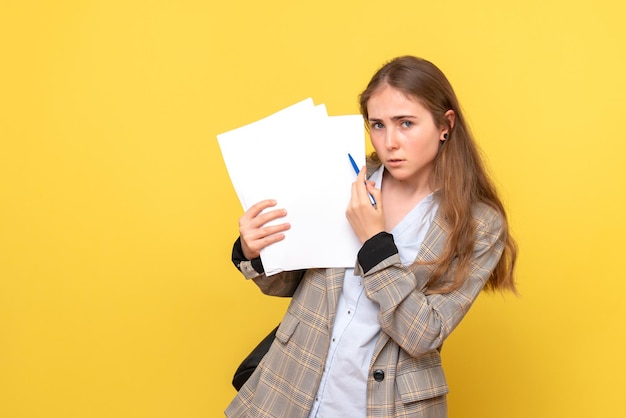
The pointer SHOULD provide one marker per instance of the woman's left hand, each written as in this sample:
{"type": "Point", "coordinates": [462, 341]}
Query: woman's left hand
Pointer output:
{"type": "Point", "coordinates": [366, 219]}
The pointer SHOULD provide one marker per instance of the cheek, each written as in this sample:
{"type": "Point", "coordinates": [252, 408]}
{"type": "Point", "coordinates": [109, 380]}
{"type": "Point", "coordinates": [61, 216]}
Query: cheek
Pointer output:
{"type": "Point", "coordinates": [376, 141]}
{"type": "Point", "coordinates": [425, 149]}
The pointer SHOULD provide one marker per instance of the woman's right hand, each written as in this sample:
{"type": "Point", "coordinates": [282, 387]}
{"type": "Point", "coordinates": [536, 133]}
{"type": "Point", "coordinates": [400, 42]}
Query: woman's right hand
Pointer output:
{"type": "Point", "coordinates": [254, 234]}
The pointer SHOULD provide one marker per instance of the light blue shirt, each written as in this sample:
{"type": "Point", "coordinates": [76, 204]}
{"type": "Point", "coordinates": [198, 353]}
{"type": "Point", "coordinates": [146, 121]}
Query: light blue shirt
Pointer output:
{"type": "Point", "coordinates": [343, 388]}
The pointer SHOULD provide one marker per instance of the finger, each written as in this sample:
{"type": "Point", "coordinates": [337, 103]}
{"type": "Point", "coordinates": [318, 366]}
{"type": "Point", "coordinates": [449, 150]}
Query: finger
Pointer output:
{"type": "Point", "coordinates": [361, 187]}
{"type": "Point", "coordinates": [270, 216]}
{"type": "Point", "coordinates": [271, 239]}
{"type": "Point", "coordinates": [255, 219]}
{"type": "Point", "coordinates": [371, 188]}
{"type": "Point", "coordinates": [254, 210]}
{"type": "Point", "coordinates": [356, 192]}
{"type": "Point", "coordinates": [274, 229]}
{"type": "Point", "coordinates": [257, 228]}
{"type": "Point", "coordinates": [253, 240]}
{"type": "Point", "coordinates": [251, 233]}
{"type": "Point", "coordinates": [362, 174]}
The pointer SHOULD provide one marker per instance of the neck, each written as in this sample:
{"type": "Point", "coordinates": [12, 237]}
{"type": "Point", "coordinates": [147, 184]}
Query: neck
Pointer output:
{"type": "Point", "coordinates": [400, 197]}
{"type": "Point", "coordinates": [416, 187]}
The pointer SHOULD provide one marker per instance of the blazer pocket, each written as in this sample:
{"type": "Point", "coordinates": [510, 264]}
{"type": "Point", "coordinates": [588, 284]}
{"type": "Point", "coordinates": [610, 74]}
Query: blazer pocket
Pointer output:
{"type": "Point", "coordinates": [287, 328]}
{"type": "Point", "coordinates": [421, 384]}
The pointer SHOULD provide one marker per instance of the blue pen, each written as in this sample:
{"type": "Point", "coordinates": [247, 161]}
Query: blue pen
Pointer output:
{"type": "Point", "coordinates": [356, 170]}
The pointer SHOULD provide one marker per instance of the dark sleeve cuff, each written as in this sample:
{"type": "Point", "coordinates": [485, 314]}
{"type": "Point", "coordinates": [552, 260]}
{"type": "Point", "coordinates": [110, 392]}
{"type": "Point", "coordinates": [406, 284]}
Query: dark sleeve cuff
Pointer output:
{"type": "Point", "coordinates": [237, 257]}
{"type": "Point", "coordinates": [375, 250]}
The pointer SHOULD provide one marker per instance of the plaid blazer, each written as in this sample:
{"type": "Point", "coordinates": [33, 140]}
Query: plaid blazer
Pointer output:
{"type": "Point", "coordinates": [413, 324]}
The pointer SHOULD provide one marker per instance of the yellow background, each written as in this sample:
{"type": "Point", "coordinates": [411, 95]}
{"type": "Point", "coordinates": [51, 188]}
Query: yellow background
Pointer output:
{"type": "Point", "coordinates": [117, 295]}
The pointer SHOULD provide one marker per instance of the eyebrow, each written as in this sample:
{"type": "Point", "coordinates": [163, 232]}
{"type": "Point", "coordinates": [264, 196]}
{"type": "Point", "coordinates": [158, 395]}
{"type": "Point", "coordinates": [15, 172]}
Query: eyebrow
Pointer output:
{"type": "Point", "coordinates": [394, 118]}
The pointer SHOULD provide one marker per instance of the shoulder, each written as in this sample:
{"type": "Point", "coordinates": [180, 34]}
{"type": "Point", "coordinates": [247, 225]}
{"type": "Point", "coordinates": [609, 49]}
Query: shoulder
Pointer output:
{"type": "Point", "coordinates": [489, 223]}
{"type": "Point", "coordinates": [483, 213]}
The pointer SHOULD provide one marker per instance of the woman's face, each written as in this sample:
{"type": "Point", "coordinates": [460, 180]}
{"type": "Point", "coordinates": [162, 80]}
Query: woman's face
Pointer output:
{"type": "Point", "coordinates": [403, 134]}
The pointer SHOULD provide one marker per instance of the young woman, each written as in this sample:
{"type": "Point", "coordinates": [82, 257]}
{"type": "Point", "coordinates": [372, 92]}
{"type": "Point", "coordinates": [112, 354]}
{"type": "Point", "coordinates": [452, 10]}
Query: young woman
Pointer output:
{"type": "Point", "coordinates": [365, 342]}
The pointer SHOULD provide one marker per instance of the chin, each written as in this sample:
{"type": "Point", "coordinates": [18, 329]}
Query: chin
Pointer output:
{"type": "Point", "coordinates": [398, 173]}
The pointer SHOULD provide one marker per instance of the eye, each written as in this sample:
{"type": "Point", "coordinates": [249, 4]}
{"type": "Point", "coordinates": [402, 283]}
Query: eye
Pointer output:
{"type": "Point", "coordinates": [376, 125]}
{"type": "Point", "coordinates": [406, 123]}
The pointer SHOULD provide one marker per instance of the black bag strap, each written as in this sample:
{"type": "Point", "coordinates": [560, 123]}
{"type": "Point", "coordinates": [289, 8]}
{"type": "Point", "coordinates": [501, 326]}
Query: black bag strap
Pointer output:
{"type": "Point", "coordinates": [250, 363]}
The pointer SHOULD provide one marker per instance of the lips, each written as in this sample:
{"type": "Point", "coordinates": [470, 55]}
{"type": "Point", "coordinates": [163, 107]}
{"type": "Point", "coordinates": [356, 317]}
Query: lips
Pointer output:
{"type": "Point", "coordinates": [394, 162]}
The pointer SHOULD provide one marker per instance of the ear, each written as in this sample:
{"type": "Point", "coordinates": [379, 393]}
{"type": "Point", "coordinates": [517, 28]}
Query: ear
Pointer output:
{"type": "Point", "coordinates": [450, 117]}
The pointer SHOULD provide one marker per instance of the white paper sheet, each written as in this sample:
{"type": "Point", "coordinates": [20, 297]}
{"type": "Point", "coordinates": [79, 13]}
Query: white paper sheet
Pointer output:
{"type": "Point", "coordinates": [299, 157]}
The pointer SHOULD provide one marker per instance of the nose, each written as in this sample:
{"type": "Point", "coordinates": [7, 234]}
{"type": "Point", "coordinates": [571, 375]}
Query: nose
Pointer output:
{"type": "Point", "coordinates": [391, 139]}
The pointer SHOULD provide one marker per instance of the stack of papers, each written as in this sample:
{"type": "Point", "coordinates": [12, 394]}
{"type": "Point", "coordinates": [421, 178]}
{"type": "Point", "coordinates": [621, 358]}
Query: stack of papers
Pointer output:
{"type": "Point", "coordinates": [299, 157]}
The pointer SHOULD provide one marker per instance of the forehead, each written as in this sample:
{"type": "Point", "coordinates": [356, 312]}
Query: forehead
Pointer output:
{"type": "Point", "coordinates": [390, 101]}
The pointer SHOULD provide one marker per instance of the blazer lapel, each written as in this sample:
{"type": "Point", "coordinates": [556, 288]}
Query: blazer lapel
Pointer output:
{"type": "Point", "coordinates": [334, 285]}
{"type": "Point", "coordinates": [430, 250]}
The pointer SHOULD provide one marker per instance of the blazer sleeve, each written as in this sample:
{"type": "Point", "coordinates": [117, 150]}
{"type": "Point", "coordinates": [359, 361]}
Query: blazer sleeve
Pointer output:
{"type": "Point", "coordinates": [281, 284]}
{"type": "Point", "coordinates": [420, 322]}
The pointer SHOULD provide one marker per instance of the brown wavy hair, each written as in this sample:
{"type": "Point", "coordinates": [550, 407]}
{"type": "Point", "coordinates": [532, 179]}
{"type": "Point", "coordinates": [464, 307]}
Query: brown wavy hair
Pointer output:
{"type": "Point", "coordinates": [459, 172]}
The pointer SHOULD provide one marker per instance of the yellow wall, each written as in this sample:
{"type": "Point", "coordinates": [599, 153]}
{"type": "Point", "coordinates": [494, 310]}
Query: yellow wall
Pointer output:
{"type": "Point", "coordinates": [117, 296]}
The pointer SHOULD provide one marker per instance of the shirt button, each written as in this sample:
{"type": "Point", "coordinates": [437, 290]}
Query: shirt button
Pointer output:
{"type": "Point", "coordinates": [379, 375]}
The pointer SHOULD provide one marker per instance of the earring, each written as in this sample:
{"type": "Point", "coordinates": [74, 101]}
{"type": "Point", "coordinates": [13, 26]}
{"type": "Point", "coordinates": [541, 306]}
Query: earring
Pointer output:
{"type": "Point", "coordinates": [445, 136]}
